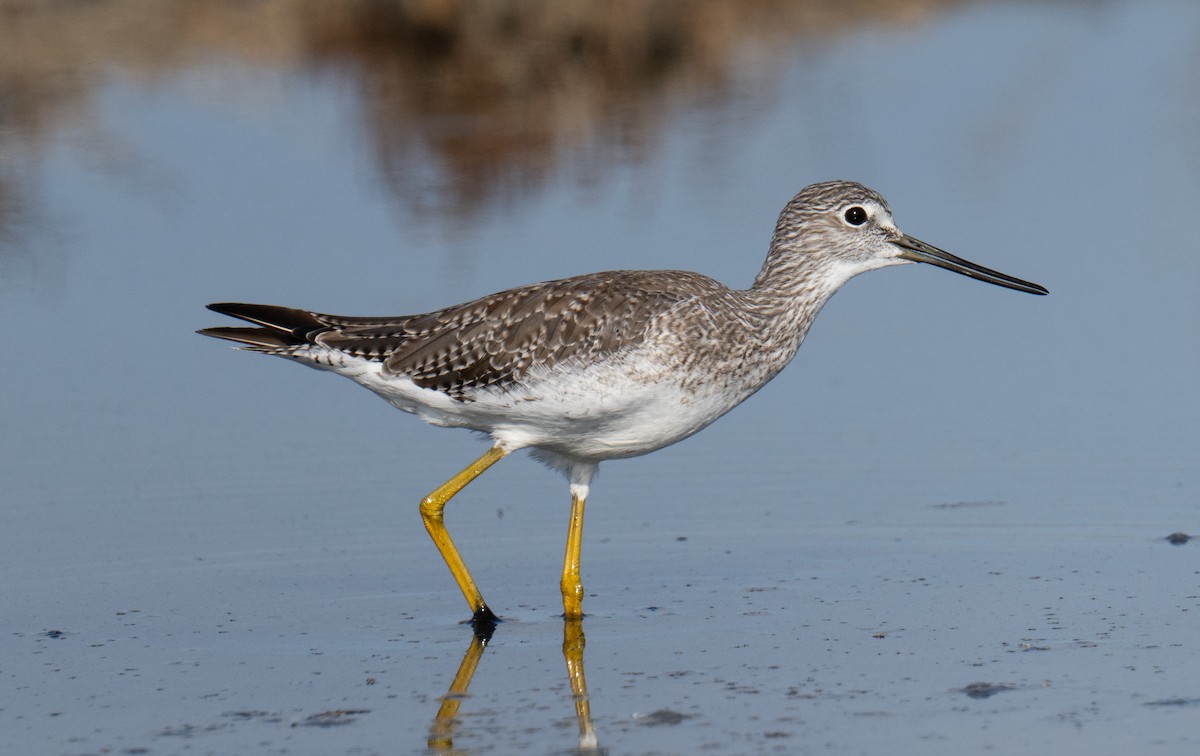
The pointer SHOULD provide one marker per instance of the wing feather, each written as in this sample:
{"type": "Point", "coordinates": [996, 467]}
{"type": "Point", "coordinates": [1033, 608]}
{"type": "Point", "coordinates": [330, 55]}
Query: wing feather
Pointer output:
{"type": "Point", "coordinates": [492, 341]}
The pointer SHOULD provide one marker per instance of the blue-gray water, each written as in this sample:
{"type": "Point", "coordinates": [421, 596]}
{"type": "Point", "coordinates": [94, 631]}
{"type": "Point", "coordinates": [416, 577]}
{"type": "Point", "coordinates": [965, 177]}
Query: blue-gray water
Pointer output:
{"type": "Point", "coordinates": [953, 483]}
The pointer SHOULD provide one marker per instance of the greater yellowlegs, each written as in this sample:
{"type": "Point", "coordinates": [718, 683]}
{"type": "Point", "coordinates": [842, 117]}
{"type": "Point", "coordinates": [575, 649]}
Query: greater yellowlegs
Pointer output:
{"type": "Point", "coordinates": [601, 366]}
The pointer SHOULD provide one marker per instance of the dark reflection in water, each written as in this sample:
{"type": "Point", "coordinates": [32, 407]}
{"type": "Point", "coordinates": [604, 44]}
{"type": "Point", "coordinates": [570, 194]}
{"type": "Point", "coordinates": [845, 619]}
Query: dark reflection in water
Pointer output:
{"type": "Point", "coordinates": [446, 722]}
{"type": "Point", "coordinates": [464, 102]}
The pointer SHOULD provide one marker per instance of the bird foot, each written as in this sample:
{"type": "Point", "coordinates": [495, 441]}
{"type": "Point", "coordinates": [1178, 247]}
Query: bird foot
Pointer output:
{"type": "Point", "coordinates": [484, 622]}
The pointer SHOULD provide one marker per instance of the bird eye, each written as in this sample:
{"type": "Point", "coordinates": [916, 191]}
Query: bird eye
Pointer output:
{"type": "Point", "coordinates": [856, 216]}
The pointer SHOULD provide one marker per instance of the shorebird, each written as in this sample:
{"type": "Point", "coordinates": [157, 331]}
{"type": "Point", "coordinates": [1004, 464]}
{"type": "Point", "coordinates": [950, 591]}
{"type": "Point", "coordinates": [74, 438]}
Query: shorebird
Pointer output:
{"type": "Point", "coordinates": [601, 366]}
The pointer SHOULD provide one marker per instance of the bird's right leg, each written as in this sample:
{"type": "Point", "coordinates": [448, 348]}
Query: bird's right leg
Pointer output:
{"type": "Point", "coordinates": [431, 512]}
{"type": "Point", "coordinates": [572, 588]}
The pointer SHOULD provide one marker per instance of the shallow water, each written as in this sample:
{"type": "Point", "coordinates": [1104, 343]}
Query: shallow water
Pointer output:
{"type": "Point", "coordinates": [942, 530]}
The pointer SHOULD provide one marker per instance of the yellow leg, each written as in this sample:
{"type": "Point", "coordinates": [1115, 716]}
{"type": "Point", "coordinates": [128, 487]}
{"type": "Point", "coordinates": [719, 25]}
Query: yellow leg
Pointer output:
{"type": "Point", "coordinates": [572, 587]}
{"type": "Point", "coordinates": [431, 512]}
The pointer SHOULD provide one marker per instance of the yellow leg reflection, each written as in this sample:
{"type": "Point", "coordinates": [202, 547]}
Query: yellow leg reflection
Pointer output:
{"type": "Point", "coordinates": [445, 723]}
{"type": "Point", "coordinates": [573, 643]}
{"type": "Point", "coordinates": [441, 732]}
{"type": "Point", "coordinates": [572, 586]}
{"type": "Point", "coordinates": [431, 512]}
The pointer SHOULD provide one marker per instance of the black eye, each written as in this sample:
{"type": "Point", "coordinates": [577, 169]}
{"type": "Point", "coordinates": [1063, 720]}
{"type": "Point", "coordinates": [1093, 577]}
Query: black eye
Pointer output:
{"type": "Point", "coordinates": [856, 216]}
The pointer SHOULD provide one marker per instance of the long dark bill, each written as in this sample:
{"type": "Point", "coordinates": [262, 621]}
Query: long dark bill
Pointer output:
{"type": "Point", "coordinates": [918, 251]}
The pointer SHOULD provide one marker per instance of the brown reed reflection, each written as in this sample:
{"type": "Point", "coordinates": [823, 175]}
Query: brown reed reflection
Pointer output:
{"type": "Point", "coordinates": [465, 102]}
{"type": "Point", "coordinates": [445, 723]}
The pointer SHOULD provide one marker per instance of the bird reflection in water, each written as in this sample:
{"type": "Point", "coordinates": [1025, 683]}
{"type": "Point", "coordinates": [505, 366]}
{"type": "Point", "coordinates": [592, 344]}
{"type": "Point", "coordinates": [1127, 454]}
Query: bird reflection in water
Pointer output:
{"type": "Point", "coordinates": [446, 722]}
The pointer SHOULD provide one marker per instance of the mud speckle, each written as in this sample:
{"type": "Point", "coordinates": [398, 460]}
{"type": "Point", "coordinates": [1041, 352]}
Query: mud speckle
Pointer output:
{"type": "Point", "coordinates": [334, 718]}
{"type": "Point", "coordinates": [251, 714]}
{"type": "Point", "coordinates": [1174, 702]}
{"type": "Point", "coordinates": [661, 717]}
{"type": "Point", "coordinates": [985, 690]}
{"type": "Point", "coordinates": [966, 504]}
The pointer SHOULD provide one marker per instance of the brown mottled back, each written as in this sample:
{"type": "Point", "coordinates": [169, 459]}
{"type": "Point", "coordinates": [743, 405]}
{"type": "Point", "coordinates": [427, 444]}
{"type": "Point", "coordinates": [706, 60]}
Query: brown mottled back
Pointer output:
{"type": "Point", "coordinates": [495, 340]}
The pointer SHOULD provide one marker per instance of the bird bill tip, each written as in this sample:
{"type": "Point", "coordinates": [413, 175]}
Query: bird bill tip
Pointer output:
{"type": "Point", "coordinates": [918, 251]}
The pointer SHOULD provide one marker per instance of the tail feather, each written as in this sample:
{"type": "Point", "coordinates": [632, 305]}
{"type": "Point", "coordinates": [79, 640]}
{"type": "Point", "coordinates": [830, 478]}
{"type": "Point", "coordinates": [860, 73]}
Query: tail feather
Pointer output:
{"type": "Point", "coordinates": [281, 327]}
{"type": "Point", "coordinates": [253, 338]}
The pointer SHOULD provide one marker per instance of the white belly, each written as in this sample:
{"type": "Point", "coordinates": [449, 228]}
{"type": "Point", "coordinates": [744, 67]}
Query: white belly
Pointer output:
{"type": "Point", "coordinates": [602, 412]}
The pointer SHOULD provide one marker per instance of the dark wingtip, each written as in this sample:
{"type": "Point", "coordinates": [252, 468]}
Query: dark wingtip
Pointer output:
{"type": "Point", "coordinates": [279, 326]}
{"type": "Point", "coordinates": [271, 316]}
